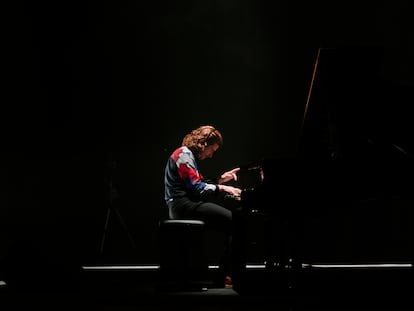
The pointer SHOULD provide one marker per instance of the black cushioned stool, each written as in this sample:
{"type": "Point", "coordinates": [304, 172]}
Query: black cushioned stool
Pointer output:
{"type": "Point", "coordinates": [183, 256]}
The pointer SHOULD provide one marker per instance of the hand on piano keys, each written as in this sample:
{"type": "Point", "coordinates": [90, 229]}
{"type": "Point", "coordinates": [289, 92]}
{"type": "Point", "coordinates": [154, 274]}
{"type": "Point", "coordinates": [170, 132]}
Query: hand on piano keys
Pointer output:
{"type": "Point", "coordinates": [233, 196]}
{"type": "Point", "coordinates": [231, 192]}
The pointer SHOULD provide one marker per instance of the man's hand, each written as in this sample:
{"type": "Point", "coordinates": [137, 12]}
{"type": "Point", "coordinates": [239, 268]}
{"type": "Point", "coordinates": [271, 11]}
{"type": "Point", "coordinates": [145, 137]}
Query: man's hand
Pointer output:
{"type": "Point", "coordinates": [234, 192]}
{"type": "Point", "coordinates": [229, 175]}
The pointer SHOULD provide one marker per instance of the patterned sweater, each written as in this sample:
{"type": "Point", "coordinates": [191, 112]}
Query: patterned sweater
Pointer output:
{"type": "Point", "coordinates": [182, 177]}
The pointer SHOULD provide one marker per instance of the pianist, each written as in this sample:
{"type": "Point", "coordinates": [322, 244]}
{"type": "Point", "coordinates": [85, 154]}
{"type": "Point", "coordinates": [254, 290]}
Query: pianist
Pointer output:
{"type": "Point", "coordinates": [189, 196]}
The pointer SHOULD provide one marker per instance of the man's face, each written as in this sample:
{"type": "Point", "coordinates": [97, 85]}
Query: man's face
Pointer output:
{"type": "Point", "coordinates": [208, 151]}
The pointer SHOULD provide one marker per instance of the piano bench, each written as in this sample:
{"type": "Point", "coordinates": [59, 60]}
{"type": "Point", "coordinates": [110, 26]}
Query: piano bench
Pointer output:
{"type": "Point", "coordinates": [183, 255]}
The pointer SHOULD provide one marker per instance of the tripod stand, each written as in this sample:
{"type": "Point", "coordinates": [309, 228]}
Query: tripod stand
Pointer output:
{"type": "Point", "coordinates": [113, 209]}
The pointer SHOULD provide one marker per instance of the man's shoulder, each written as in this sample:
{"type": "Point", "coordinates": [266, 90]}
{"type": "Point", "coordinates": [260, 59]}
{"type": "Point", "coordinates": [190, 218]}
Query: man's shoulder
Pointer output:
{"type": "Point", "coordinates": [182, 151]}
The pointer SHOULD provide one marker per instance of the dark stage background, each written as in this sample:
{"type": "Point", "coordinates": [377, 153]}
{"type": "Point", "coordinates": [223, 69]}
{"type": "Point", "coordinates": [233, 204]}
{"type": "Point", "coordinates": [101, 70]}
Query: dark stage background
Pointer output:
{"type": "Point", "coordinates": [98, 94]}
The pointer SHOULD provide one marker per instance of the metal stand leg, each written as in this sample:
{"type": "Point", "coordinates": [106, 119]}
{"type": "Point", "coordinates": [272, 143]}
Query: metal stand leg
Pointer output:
{"type": "Point", "coordinates": [113, 209]}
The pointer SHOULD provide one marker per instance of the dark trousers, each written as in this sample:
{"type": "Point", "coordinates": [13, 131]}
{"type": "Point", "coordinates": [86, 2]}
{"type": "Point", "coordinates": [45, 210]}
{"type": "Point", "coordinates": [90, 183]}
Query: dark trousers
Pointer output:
{"type": "Point", "coordinates": [222, 215]}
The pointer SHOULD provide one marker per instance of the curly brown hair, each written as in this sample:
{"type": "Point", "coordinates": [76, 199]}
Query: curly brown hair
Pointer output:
{"type": "Point", "coordinates": [201, 137]}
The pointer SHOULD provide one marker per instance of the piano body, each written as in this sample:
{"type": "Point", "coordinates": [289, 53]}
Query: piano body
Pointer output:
{"type": "Point", "coordinates": [347, 198]}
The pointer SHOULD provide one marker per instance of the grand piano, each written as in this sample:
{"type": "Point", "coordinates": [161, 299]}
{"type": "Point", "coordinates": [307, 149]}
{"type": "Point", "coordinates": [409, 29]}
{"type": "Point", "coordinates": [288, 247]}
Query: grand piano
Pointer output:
{"type": "Point", "coordinates": [346, 199]}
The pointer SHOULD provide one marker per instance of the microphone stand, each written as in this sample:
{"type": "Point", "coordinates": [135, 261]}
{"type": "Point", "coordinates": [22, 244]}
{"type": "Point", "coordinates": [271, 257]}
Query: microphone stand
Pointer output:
{"type": "Point", "coordinates": [112, 209]}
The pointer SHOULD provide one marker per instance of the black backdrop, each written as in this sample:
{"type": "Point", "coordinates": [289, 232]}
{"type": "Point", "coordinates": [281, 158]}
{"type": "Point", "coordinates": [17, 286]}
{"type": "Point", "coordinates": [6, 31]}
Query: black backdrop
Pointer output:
{"type": "Point", "coordinates": [100, 92]}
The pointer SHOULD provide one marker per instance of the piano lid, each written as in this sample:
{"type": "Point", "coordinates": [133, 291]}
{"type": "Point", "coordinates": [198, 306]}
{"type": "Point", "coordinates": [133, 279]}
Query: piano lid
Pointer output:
{"type": "Point", "coordinates": [351, 110]}
{"type": "Point", "coordinates": [355, 126]}
{"type": "Point", "coordinates": [354, 142]}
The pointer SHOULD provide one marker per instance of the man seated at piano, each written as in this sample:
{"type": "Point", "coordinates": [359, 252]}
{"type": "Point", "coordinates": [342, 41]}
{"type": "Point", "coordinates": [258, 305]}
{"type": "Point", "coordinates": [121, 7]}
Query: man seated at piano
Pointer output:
{"type": "Point", "coordinates": [189, 195]}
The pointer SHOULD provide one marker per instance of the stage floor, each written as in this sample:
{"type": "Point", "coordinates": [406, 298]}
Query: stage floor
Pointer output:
{"type": "Point", "coordinates": [133, 288]}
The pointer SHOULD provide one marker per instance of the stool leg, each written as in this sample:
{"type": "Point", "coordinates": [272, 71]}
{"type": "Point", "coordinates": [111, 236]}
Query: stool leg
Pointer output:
{"type": "Point", "coordinates": [183, 258]}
